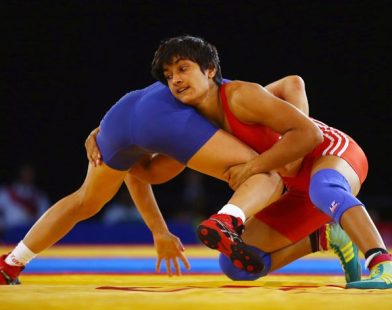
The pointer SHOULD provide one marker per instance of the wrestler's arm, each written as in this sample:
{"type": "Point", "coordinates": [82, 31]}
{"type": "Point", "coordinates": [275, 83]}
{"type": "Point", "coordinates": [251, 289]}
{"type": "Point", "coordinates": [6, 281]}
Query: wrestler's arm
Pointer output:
{"type": "Point", "coordinates": [291, 89]}
{"type": "Point", "coordinates": [151, 169]}
{"type": "Point", "coordinates": [253, 104]}
{"type": "Point", "coordinates": [168, 246]}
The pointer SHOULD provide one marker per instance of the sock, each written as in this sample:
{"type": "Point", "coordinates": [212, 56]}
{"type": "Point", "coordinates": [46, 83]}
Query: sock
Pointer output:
{"type": "Point", "coordinates": [373, 258]}
{"type": "Point", "coordinates": [233, 210]}
{"type": "Point", "coordinates": [375, 251]}
{"type": "Point", "coordinates": [20, 256]}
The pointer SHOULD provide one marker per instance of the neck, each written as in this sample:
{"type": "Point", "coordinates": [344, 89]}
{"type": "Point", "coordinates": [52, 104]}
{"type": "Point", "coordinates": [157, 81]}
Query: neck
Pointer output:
{"type": "Point", "coordinates": [211, 106]}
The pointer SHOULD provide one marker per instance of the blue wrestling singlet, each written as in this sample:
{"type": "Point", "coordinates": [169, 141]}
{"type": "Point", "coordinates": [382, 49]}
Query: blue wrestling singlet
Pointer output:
{"type": "Point", "coordinates": [151, 120]}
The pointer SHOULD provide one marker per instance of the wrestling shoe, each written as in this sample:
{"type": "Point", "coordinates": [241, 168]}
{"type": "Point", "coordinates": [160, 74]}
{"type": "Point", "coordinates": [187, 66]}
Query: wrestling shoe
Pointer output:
{"type": "Point", "coordinates": [380, 275]}
{"type": "Point", "coordinates": [9, 274]}
{"type": "Point", "coordinates": [222, 232]}
{"type": "Point", "coordinates": [336, 239]}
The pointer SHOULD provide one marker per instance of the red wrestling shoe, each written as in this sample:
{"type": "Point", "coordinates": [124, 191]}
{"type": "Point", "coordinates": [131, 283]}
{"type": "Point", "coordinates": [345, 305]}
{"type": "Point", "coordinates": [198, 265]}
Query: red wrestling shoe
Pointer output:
{"type": "Point", "coordinates": [222, 232]}
{"type": "Point", "coordinates": [9, 274]}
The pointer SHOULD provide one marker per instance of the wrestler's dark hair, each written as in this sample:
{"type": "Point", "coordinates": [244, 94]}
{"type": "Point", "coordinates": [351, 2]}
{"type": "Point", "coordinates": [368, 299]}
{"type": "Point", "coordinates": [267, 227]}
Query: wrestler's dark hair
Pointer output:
{"type": "Point", "coordinates": [189, 47]}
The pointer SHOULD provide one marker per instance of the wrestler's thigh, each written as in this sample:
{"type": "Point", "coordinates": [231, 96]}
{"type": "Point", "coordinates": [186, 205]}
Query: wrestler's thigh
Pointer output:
{"type": "Point", "coordinates": [263, 236]}
{"type": "Point", "coordinates": [219, 153]}
{"type": "Point", "coordinates": [101, 183]}
{"type": "Point", "coordinates": [340, 165]}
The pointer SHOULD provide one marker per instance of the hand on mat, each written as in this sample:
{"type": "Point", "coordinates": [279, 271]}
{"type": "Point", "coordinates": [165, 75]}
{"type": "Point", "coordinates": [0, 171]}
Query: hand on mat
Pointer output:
{"type": "Point", "coordinates": [91, 146]}
{"type": "Point", "coordinates": [170, 249]}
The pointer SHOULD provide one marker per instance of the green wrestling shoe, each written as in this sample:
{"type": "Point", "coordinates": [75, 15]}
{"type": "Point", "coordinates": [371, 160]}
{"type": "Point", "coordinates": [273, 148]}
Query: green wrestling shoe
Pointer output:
{"type": "Point", "coordinates": [345, 249]}
{"type": "Point", "coordinates": [380, 276]}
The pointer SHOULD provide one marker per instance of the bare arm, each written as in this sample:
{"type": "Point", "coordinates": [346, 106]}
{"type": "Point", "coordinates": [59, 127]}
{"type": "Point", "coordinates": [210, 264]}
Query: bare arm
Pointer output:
{"type": "Point", "coordinates": [291, 89]}
{"type": "Point", "coordinates": [150, 169]}
{"type": "Point", "coordinates": [168, 246]}
{"type": "Point", "coordinates": [253, 104]}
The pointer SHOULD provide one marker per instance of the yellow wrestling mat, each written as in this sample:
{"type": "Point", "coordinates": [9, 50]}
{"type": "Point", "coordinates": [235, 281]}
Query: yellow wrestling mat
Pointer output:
{"type": "Point", "coordinates": [132, 291]}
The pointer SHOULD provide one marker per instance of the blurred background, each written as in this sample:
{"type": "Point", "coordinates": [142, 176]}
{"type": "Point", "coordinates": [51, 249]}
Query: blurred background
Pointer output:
{"type": "Point", "coordinates": [64, 63]}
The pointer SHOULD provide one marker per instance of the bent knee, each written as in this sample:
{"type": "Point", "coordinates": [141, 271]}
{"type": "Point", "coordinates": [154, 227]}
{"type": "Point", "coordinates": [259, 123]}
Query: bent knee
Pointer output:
{"type": "Point", "coordinates": [86, 205]}
{"type": "Point", "coordinates": [330, 192]}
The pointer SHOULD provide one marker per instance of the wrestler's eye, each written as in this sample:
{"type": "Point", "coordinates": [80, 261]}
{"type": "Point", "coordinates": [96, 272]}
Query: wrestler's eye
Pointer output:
{"type": "Point", "coordinates": [183, 68]}
{"type": "Point", "coordinates": [168, 77]}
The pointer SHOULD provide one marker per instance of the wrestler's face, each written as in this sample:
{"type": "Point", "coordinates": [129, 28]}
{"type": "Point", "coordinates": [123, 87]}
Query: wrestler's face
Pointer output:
{"type": "Point", "coordinates": [187, 82]}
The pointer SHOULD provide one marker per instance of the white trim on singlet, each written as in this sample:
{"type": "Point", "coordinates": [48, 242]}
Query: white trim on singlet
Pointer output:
{"type": "Point", "coordinates": [337, 140]}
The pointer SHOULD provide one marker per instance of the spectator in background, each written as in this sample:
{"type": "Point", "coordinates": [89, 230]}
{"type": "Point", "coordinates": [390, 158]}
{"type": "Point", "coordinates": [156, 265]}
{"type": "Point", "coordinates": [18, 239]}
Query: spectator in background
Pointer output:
{"type": "Point", "coordinates": [22, 202]}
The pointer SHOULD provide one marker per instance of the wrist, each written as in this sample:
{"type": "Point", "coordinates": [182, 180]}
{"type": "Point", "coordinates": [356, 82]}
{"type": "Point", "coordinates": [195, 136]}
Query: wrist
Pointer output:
{"type": "Point", "coordinates": [254, 167]}
{"type": "Point", "coordinates": [161, 229]}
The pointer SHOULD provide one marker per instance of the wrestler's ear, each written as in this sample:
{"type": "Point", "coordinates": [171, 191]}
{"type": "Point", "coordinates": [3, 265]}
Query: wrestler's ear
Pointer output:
{"type": "Point", "coordinates": [211, 72]}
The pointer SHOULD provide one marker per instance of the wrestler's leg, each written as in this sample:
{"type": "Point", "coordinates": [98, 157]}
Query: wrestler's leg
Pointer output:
{"type": "Point", "coordinates": [277, 250]}
{"type": "Point", "coordinates": [264, 237]}
{"type": "Point", "coordinates": [272, 261]}
{"type": "Point", "coordinates": [222, 231]}
{"type": "Point", "coordinates": [339, 178]}
{"type": "Point", "coordinates": [289, 254]}
{"type": "Point", "coordinates": [223, 151]}
{"type": "Point", "coordinates": [355, 220]}
{"type": "Point", "coordinates": [99, 186]}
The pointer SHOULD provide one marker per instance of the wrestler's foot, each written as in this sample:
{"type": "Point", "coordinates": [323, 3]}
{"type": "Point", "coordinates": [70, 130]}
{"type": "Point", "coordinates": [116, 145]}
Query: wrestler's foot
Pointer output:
{"type": "Point", "coordinates": [337, 240]}
{"type": "Point", "coordinates": [9, 274]}
{"type": "Point", "coordinates": [222, 232]}
{"type": "Point", "coordinates": [380, 275]}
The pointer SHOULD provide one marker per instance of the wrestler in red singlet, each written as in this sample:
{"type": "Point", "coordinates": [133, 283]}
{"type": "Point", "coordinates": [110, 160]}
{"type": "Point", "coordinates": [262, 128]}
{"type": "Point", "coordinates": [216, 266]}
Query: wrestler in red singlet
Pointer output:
{"type": "Point", "coordinates": [294, 215]}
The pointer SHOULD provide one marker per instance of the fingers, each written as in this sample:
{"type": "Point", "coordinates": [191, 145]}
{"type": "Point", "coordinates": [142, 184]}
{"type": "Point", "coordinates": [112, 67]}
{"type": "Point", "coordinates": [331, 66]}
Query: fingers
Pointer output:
{"type": "Point", "coordinates": [177, 266]}
{"type": "Point", "coordinates": [168, 268]}
{"type": "Point", "coordinates": [158, 265]}
{"type": "Point", "coordinates": [182, 256]}
{"type": "Point", "coordinates": [185, 261]}
{"type": "Point", "coordinates": [171, 250]}
{"type": "Point", "coordinates": [93, 153]}
{"type": "Point", "coordinates": [97, 157]}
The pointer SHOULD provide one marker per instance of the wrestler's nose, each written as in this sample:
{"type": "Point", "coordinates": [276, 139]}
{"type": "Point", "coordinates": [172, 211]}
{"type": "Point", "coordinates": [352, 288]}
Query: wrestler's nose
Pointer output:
{"type": "Point", "coordinates": [177, 79]}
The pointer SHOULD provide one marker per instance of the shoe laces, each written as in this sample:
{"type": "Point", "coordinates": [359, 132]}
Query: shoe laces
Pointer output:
{"type": "Point", "coordinates": [239, 229]}
{"type": "Point", "coordinates": [230, 227]}
{"type": "Point", "coordinates": [8, 278]}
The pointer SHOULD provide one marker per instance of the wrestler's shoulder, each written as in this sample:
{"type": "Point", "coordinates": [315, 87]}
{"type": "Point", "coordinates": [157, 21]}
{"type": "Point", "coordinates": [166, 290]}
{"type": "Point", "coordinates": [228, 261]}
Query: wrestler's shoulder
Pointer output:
{"type": "Point", "coordinates": [238, 87]}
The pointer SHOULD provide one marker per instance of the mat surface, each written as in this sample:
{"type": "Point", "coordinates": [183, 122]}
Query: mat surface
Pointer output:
{"type": "Point", "coordinates": [109, 277]}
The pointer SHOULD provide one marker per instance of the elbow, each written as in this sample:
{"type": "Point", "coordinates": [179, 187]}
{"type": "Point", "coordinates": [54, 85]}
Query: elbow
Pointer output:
{"type": "Point", "coordinates": [316, 136]}
{"type": "Point", "coordinates": [294, 82]}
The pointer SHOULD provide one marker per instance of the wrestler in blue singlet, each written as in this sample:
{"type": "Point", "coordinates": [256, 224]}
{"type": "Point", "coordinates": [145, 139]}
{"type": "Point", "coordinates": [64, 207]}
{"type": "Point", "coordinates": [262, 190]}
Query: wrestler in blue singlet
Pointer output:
{"type": "Point", "coordinates": [151, 120]}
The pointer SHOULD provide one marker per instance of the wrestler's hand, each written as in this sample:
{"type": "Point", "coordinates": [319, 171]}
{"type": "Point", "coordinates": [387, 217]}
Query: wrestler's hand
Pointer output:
{"type": "Point", "coordinates": [170, 249]}
{"type": "Point", "coordinates": [236, 175]}
{"type": "Point", "coordinates": [93, 153]}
